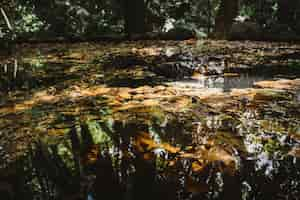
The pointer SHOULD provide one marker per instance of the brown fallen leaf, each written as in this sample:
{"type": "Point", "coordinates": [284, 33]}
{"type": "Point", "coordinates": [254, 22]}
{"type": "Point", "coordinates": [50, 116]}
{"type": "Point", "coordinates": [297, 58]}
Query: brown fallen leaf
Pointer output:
{"type": "Point", "coordinates": [279, 84]}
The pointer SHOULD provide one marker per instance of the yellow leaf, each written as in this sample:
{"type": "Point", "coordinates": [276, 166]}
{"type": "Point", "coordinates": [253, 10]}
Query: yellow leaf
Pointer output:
{"type": "Point", "coordinates": [170, 148]}
{"type": "Point", "coordinates": [197, 167]}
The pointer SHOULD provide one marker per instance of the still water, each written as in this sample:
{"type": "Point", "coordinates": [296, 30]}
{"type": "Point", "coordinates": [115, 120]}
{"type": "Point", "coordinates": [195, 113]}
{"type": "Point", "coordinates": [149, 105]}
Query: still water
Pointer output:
{"type": "Point", "coordinates": [148, 152]}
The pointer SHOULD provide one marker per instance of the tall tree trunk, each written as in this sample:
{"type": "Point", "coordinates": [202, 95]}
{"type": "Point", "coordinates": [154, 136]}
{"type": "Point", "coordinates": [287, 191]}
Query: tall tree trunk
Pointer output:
{"type": "Point", "coordinates": [57, 19]}
{"type": "Point", "coordinates": [134, 15]}
{"type": "Point", "coordinates": [287, 11]}
{"type": "Point", "coordinates": [209, 12]}
{"type": "Point", "coordinates": [228, 10]}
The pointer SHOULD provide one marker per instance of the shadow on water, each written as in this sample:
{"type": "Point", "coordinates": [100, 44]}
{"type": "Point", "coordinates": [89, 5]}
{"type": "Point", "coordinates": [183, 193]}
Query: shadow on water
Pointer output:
{"type": "Point", "coordinates": [134, 82]}
{"type": "Point", "coordinates": [137, 159]}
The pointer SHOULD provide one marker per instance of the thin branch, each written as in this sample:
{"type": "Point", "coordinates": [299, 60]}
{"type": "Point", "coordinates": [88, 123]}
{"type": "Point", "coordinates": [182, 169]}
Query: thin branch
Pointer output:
{"type": "Point", "coordinates": [6, 19]}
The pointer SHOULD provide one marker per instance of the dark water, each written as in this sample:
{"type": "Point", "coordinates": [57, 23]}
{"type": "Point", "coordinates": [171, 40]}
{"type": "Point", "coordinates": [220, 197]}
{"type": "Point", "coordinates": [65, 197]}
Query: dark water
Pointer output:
{"type": "Point", "coordinates": [20, 76]}
{"type": "Point", "coordinates": [165, 158]}
{"type": "Point", "coordinates": [297, 96]}
{"type": "Point", "coordinates": [15, 75]}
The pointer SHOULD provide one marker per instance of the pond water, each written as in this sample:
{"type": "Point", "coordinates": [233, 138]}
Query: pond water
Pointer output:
{"type": "Point", "coordinates": [224, 83]}
{"type": "Point", "coordinates": [248, 151]}
{"type": "Point", "coordinates": [18, 75]}
{"type": "Point", "coordinates": [165, 159]}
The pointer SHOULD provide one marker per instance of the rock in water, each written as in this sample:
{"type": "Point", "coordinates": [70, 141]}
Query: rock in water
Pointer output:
{"type": "Point", "coordinates": [179, 34]}
{"type": "Point", "coordinates": [177, 65]}
{"type": "Point", "coordinates": [176, 69]}
{"type": "Point", "coordinates": [185, 64]}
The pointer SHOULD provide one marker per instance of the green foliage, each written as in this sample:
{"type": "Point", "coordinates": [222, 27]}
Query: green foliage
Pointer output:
{"type": "Point", "coordinates": [27, 22]}
{"type": "Point", "coordinates": [68, 18]}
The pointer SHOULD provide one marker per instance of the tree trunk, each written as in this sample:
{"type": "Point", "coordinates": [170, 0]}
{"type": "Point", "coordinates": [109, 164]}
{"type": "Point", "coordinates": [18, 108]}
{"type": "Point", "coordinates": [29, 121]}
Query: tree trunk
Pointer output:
{"type": "Point", "coordinates": [287, 12]}
{"type": "Point", "coordinates": [134, 15]}
{"type": "Point", "coordinates": [57, 19]}
{"type": "Point", "coordinates": [228, 10]}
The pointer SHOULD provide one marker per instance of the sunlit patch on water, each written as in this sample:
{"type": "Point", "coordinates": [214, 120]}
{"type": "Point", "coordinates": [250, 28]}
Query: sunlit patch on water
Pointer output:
{"type": "Point", "coordinates": [221, 82]}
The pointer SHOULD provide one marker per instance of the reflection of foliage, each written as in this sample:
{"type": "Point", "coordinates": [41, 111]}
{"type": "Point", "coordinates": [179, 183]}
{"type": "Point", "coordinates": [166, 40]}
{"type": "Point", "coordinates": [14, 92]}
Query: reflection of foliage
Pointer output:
{"type": "Point", "coordinates": [114, 157]}
{"type": "Point", "coordinates": [37, 63]}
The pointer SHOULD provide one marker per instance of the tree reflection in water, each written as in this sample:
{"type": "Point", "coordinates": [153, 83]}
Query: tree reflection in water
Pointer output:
{"type": "Point", "coordinates": [124, 161]}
